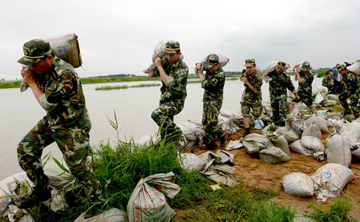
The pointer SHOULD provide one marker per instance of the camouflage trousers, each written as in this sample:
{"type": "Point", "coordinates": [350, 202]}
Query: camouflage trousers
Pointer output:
{"type": "Point", "coordinates": [255, 106]}
{"type": "Point", "coordinates": [354, 97]}
{"type": "Point", "coordinates": [164, 118]}
{"type": "Point", "coordinates": [74, 145]}
{"type": "Point", "coordinates": [211, 111]}
{"type": "Point", "coordinates": [278, 106]}
{"type": "Point", "coordinates": [306, 97]}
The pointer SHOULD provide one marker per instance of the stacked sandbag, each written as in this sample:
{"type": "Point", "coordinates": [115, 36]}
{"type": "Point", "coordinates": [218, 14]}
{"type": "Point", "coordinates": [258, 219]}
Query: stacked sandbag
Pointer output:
{"type": "Point", "coordinates": [288, 133]}
{"type": "Point", "coordinates": [274, 155]}
{"type": "Point", "coordinates": [311, 140]}
{"type": "Point", "coordinates": [255, 142]}
{"type": "Point", "coordinates": [190, 161]}
{"type": "Point", "coordinates": [351, 131]}
{"type": "Point", "coordinates": [338, 149]}
{"type": "Point", "coordinates": [320, 122]}
{"type": "Point", "coordinates": [298, 184]}
{"type": "Point", "coordinates": [279, 141]}
{"type": "Point", "coordinates": [297, 147]}
{"type": "Point", "coordinates": [330, 180]}
{"type": "Point", "coordinates": [235, 119]}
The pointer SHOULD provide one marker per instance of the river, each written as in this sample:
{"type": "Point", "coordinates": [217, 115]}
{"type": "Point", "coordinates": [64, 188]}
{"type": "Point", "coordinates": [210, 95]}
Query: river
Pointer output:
{"type": "Point", "coordinates": [133, 107]}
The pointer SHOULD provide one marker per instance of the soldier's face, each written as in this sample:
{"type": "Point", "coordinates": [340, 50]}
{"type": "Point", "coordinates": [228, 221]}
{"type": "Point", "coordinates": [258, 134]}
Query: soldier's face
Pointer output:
{"type": "Point", "coordinates": [172, 57]}
{"type": "Point", "coordinates": [278, 70]}
{"type": "Point", "coordinates": [43, 65]}
{"type": "Point", "coordinates": [251, 69]}
{"type": "Point", "coordinates": [214, 68]}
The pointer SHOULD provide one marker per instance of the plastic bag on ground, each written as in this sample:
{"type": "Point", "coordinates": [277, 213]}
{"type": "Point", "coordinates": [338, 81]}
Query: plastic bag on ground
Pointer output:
{"type": "Point", "coordinates": [112, 215]}
{"type": "Point", "coordinates": [149, 204]}
{"type": "Point", "coordinates": [273, 155]}
{"type": "Point", "coordinates": [330, 180]}
{"type": "Point", "coordinates": [298, 184]}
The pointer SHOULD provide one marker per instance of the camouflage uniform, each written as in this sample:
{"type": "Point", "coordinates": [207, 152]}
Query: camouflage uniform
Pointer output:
{"type": "Point", "coordinates": [172, 99]}
{"type": "Point", "coordinates": [351, 91]}
{"type": "Point", "coordinates": [213, 85]}
{"type": "Point", "coordinates": [327, 83]}
{"type": "Point", "coordinates": [278, 95]}
{"type": "Point", "coordinates": [66, 122]}
{"type": "Point", "coordinates": [252, 100]}
{"type": "Point", "coordinates": [305, 88]}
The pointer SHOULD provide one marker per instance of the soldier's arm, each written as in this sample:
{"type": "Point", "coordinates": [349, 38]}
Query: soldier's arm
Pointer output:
{"type": "Point", "coordinates": [177, 79]}
{"type": "Point", "coordinates": [162, 72]}
{"type": "Point", "coordinates": [298, 74]}
{"type": "Point", "coordinates": [213, 81]}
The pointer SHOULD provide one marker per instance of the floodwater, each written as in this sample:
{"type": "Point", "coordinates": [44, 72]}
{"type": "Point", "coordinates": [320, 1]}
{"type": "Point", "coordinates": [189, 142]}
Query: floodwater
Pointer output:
{"type": "Point", "coordinates": [133, 108]}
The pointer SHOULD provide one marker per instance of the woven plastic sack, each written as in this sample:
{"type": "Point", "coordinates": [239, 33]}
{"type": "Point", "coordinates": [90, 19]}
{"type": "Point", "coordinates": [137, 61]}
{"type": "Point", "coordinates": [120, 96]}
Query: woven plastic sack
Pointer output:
{"type": "Point", "coordinates": [190, 161]}
{"type": "Point", "coordinates": [312, 143]}
{"type": "Point", "coordinates": [298, 184]}
{"type": "Point", "coordinates": [351, 131]}
{"type": "Point", "coordinates": [255, 142]}
{"type": "Point", "coordinates": [67, 48]}
{"type": "Point", "coordinates": [312, 130]}
{"type": "Point", "coordinates": [112, 215]}
{"type": "Point", "coordinates": [297, 147]}
{"type": "Point", "coordinates": [289, 134]}
{"type": "Point", "coordinates": [223, 60]}
{"type": "Point", "coordinates": [272, 65]}
{"type": "Point", "coordinates": [338, 149]}
{"type": "Point", "coordinates": [330, 180]}
{"type": "Point", "coordinates": [355, 68]}
{"type": "Point", "coordinates": [320, 122]}
{"type": "Point", "coordinates": [279, 141]}
{"type": "Point", "coordinates": [273, 155]}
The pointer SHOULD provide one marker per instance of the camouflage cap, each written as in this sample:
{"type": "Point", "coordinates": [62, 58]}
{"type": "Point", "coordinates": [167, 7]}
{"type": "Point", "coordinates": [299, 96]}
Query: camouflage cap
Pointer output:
{"type": "Point", "coordinates": [211, 60]}
{"type": "Point", "coordinates": [306, 64]}
{"type": "Point", "coordinates": [34, 50]}
{"type": "Point", "coordinates": [172, 47]}
{"type": "Point", "coordinates": [342, 67]}
{"type": "Point", "coordinates": [249, 62]}
{"type": "Point", "coordinates": [281, 65]}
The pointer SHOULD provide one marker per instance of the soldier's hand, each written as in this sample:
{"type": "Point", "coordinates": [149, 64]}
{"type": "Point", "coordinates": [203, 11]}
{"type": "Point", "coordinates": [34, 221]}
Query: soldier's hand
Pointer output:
{"type": "Point", "coordinates": [199, 68]}
{"type": "Point", "coordinates": [27, 75]}
{"type": "Point", "coordinates": [158, 61]}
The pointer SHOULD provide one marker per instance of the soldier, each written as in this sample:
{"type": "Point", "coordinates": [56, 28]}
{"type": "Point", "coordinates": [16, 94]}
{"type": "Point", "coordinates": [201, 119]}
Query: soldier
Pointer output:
{"type": "Point", "coordinates": [305, 78]}
{"type": "Point", "coordinates": [251, 98]}
{"type": "Point", "coordinates": [57, 88]}
{"type": "Point", "coordinates": [173, 73]}
{"type": "Point", "coordinates": [350, 90]}
{"type": "Point", "coordinates": [327, 81]}
{"type": "Point", "coordinates": [278, 84]}
{"type": "Point", "coordinates": [213, 83]}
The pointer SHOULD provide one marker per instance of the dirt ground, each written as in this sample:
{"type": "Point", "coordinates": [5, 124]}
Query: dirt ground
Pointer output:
{"type": "Point", "coordinates": [258, 173]}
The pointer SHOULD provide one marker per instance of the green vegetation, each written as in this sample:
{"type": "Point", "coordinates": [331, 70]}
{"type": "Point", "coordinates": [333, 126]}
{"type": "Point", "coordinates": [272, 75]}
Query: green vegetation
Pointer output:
{"type": "Point", "coordinates": [321, 74]}
{"type": "Point", "coordinates": [114, 79]}
{"type": "Point", "coordinates": [6, 85]}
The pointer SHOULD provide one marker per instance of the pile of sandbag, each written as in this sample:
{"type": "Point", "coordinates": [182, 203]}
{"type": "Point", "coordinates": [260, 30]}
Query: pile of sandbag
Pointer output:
{"type": "Point", "coordinates": [328, 181]}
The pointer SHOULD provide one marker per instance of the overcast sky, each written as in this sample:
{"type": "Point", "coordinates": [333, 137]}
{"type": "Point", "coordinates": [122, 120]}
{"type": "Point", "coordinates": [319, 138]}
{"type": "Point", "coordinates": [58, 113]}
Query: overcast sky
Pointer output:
{"type": "Point", "coordinates": [119, 36]}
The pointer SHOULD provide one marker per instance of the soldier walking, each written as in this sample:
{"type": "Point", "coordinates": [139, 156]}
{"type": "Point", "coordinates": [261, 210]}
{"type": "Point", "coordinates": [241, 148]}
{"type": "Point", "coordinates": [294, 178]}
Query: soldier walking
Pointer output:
{"type": "Point", "coordinates": [213, 83]}
{"type": "Point", "coordinates": [350, 90]}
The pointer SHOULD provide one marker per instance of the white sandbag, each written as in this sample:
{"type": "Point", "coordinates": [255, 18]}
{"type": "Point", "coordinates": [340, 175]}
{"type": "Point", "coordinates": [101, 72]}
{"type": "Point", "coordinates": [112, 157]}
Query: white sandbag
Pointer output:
{"type": "Point", "coordinates": [269, 129]}
{"type": "Point", "coordinates": [338, 149]}
{"type": "Point", "coordinates": [187, 131]}
{"type": "Point", "coordinates": [312, 130]}
{"type": "Point", "coordinates": [260, 71]}
{"type": "Point", "coordinates": [297, 147]}
{"type": "Point", "coordinates": [223, 60]}
{"type": "Point", "coordinates": [355, 149]}
{"type": "Point", "coordinates": [21, 177]}
{"type": "Point", "coordinates": [279, 141]}
{"type": "Point", "coordinates": [272, 65]}
{"type": "Point", "coordinates": [190, 161]}
{"type": "Point", "coordinates": [355, 68]}
{"type": "Point", "coordinates": [330, 180]}
{"type": "Point", "coordinates": [351, 131]}
{"type": "Point", "coordinates": [273, 155]}
{"type": "Point", "coordinates": [299, 67]}
{"type": "Point", "coordinates": [319, 98]}
{"type": "Point", "coordinates": [112, 215]}
{"type": "Point", "coordinates": [289, 134]}
{"type": "Point", "coordinates": [298, 184]}
{"type": "Point", "coordinates": [4, 201]}
{"type": "Point", "coordinates": [320, 122]}
{"type": "Point", "coordinates": [148, 204]}
{"type": "Point", "coordinates": [159, 51]}
{"type": "Point", "coordinates": [319, 89]}
{"type": "Point", "coordinates": [197, 122]}
{"type": "Point", "coordinates": [332, 96]}
{"type": "Point", "coordinates": [15, 214]}
{"type": "Point", "coordinates": [298, 126]}
{"type": "Point", "coordinates": [255, 142]}
{"type": "Point", "coordinates": [67, 48]}
{"type": "Point", "coordinates": [312, 143]}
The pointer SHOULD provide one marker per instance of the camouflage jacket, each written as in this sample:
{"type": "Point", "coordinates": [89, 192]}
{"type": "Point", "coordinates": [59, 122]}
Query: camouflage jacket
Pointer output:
{"type": "Point", "coordinates": [351, 82]}
{"type": "Point", "coordinates": [177, 81]}
{"type": "Point", "coordinates": [306, 83]}
{"type": "Point", "coordinates": [256, 81]}
{"type": "Point", "coordinates": [63, 96]}
{"type": "Point", "coordinates": [279, 83]}
{"type": "Point", "coordinates": [213, 85]}
{"type": "Point", "coordinates": [326, 82]}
